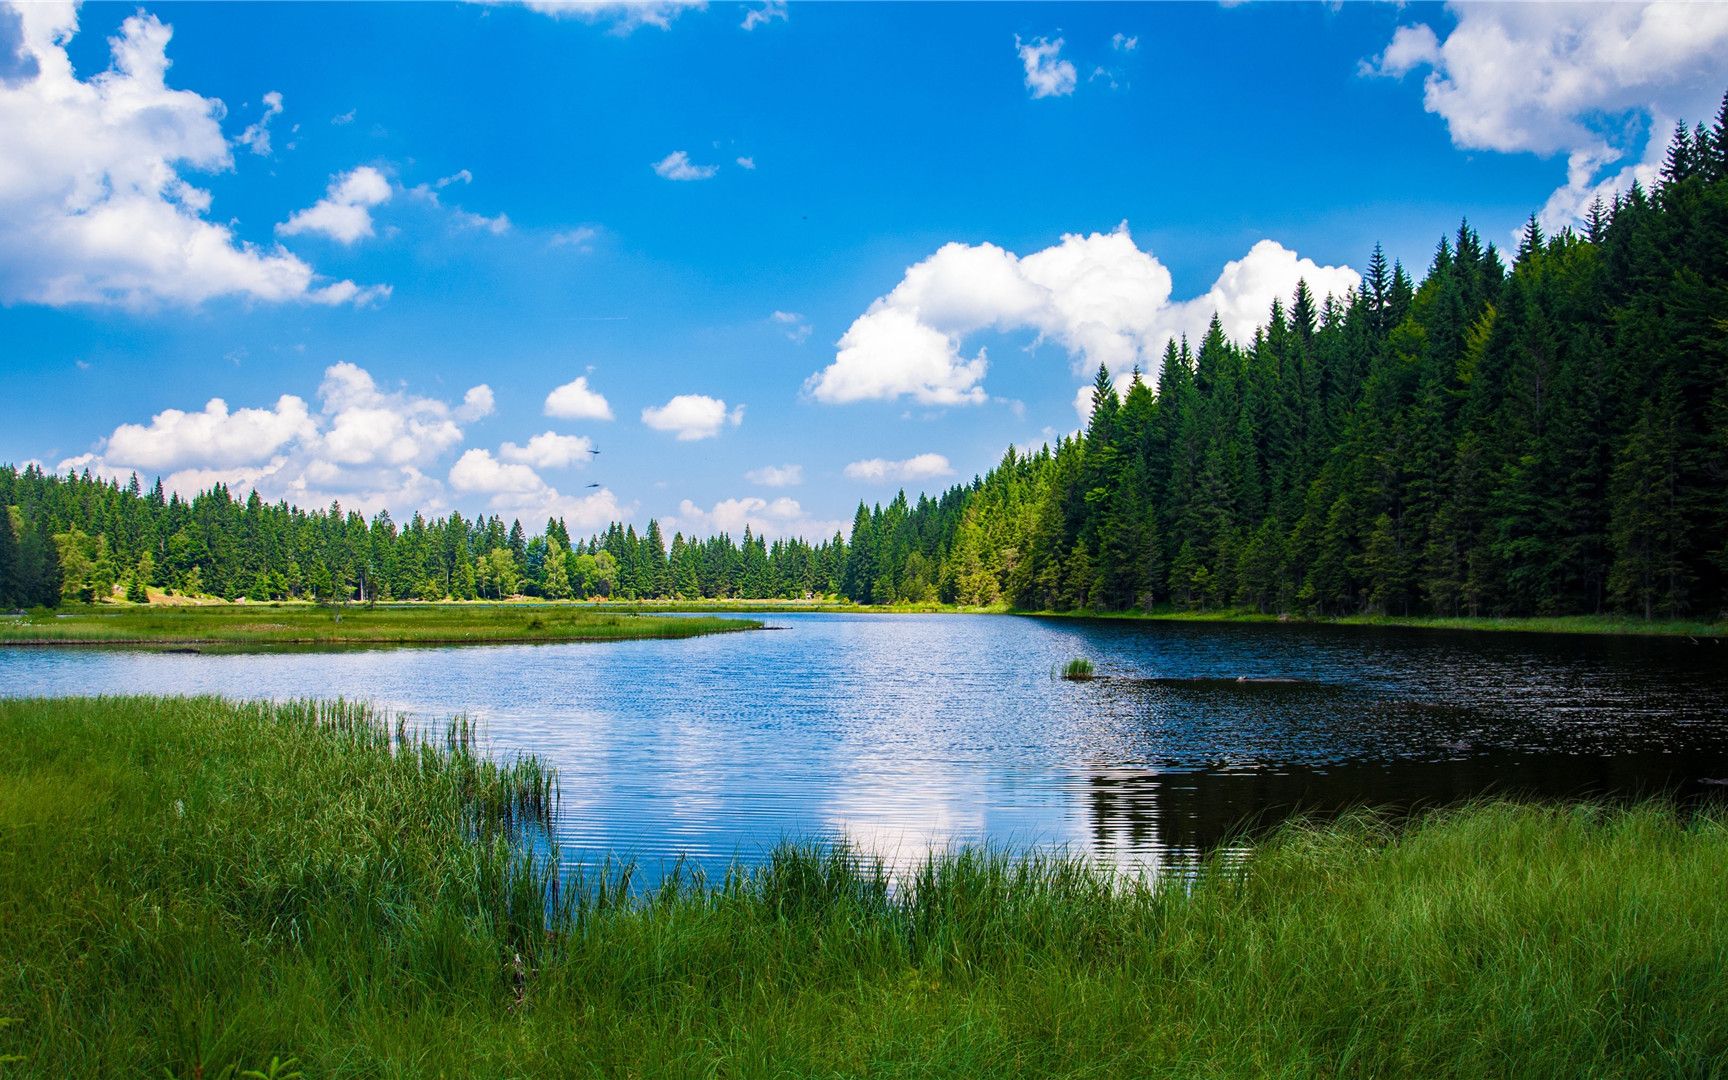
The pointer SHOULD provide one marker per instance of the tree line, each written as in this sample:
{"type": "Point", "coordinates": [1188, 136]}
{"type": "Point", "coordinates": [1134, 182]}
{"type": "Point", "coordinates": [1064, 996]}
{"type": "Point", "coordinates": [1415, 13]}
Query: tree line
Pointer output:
{"type": "Point", "coordinates": [1544, 437]}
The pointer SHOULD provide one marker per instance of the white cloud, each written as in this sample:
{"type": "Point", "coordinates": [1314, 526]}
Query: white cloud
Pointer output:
{"type": "Point", "coordinates": [1124, 42]}
{"type": "Point", "coordinates": [624, 15]}
{"type": "Point", "coordinates": [796, 329]}
{"type": "Point", "coordinates": [257, 135]}
{"type": "Point", "coordinates": [343, 119]}
{"type": "Point", "coordinates": [1047, 74]}
{"type": "Point", "coordinates": [93, 206]}
{"type": "Point", "coordinates": [517, 491]}
{"type": "Point", "coordinates": [344, 214]}
{"type": "Point", "coordinates": [883, 471]}
{"type": "Point", "coordinates": [369, 447]}
{"type": "Point", "coordinates": [497, 226]}
{"type": "Point", "coordinates": [692, 416]}
{"type": "Point", "coordinates": [375, 428]}
{"type": "Point", "coordinates": [1098, 296]}
{"type": "Point", "coordinates": [747, 163]}
{"type": "Point", "coordinates": [174, 439]}
{"type": "Point", "coordinates": [576, 401]}
{"type": "Point", "coordinates": [463, 219]}
{"type": "Point", "coordinates": [582, 238]}
{"type": "Point", "coordinates": [549, 450]}
{"type": "Point", "coordinates": [477, 470]}
{"type": "Point", "coordinates": [1243, 293]}
{"type": "Point", "coordinates": [767, 13]}
{"type": "Point", "coordinates": [771, 518]}
{"type": "Point", "coordinates": [1587, 80]}
{"type": "Point", "coordinates": [776, 475]}
{"type": "Point", "coordinates": [476, 403]}
{"type": "Point", "coordinates": [677, 166]}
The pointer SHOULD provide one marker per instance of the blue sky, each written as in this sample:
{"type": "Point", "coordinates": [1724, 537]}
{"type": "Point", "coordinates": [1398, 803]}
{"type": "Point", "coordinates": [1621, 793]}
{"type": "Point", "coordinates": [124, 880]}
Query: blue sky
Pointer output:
{"type": "Point", "coordinates": [848, 219]}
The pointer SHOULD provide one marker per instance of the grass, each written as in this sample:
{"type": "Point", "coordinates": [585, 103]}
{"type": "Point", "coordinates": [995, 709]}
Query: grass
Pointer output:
{"type": "Point", "coordinates": [1549, 624]}
{"type": "Point", "coordinates": [1078, 669]}
{"type": "Point", "coordinates": [191, 887]}
{"type": "Point", "coordinates": [253, 625]}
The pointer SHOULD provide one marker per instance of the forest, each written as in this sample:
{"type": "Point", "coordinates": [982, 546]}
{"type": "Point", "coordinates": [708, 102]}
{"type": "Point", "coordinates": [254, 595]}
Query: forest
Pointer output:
{"type": "Point", "coordinates": [1547, 437]}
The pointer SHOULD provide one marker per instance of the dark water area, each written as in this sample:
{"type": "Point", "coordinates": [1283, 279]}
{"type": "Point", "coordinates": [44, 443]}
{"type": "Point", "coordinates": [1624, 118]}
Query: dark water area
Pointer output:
{"type": "Point", "coordinates": [914, 733]}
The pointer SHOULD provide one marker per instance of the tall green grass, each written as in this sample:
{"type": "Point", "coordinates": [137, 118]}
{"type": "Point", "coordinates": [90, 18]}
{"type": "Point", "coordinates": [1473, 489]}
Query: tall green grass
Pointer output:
{"type": "Point", "coordinates": [194, 886]}
{"type": "Point", "coordinates": [1078, 669]}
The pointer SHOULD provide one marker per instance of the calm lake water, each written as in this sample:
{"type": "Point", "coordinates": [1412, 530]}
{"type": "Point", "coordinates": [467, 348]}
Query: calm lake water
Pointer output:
{"type": "Point", "coordinates": [909, 733]}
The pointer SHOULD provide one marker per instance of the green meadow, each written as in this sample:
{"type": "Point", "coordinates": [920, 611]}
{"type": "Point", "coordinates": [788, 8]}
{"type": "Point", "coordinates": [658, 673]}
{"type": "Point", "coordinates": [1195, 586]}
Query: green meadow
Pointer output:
{"type": "Point", "coordinates": [202, 888]}
{"type": "Point", "coordinates": [245, 625]}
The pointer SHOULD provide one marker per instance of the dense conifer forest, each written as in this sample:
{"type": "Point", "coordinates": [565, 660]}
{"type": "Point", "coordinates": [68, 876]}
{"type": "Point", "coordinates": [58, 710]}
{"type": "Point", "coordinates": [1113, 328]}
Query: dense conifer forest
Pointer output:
{"type": "Point", "coordinates": [1544, 437]}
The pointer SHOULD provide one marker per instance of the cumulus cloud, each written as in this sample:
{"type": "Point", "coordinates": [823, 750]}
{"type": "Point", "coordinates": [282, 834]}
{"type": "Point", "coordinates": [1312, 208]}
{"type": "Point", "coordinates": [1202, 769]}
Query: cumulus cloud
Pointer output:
{"type": "Point", "coordinates": [344, 214]}
{"type": "Point", "coordinates": [1589, 81]}
{"type": "Point", "coordinates": [476, 403]}
{"type": "Point", "coordinates": [94, 208]}
{"type": "Point", "coordinates": [576, 401]}
{"type": "Point", "coordinates": [257, 135]}
{"type": "Point", "coordinates": [776, 475]}
{"type": "Point", "coordinates": [174, 439]}
{"type": "Point", "coordinates": [365, 445]}
{"type": "Point", "coordinates": [747, 163]}
{"type": "Point", "coordinates": [1098, 296]}
{"type": "Point", "coordinates": [771, 518]}
{"type": "Point", "coordinates": [517, 491]}
{"type": "Point", "coordinates": [678, 166]}
{"type": "Point", "coordinates": [883, 471]}
{"type": "Point", "coordinates": [549, 450]}
{"type": "Point", "coordinates": [1124, 42]}
{"type": "Point", "coordinates": [371, 427]}
{"type": "Point", "coordinates": [1243, 293]}
{"type": "Point", "coordinates": [762, 16]}
{"type": "Point", "coordinates": [1047, 74]}
{"type": "Point", "coordinates": [478, 470]}
{"type": "Point", "coordinates": [692, 416]}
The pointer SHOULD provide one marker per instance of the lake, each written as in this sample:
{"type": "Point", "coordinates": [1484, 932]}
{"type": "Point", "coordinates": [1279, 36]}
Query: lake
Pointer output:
{"type": "Point", "coordinates": [912, 733]}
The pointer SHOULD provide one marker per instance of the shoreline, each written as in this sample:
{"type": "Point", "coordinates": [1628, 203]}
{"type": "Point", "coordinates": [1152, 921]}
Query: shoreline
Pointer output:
{"type": "Point", "coordinates": [1595, 625]}
{"type": "Point", "coordinates": [235, 627]}
{"type": "Point", "coordinates": [478, 612]}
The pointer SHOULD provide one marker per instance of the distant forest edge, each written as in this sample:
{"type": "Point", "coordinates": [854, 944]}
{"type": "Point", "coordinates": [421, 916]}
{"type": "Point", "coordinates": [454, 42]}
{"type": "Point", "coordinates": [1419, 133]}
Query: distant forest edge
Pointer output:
{"type": "Point", "coordinates": [1541, 440]}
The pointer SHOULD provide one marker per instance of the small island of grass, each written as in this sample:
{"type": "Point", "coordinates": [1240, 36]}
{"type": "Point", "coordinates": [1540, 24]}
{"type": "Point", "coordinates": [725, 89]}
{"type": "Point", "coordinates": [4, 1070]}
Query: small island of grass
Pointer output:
{"type": "Point", "coordinates": [240, 626]}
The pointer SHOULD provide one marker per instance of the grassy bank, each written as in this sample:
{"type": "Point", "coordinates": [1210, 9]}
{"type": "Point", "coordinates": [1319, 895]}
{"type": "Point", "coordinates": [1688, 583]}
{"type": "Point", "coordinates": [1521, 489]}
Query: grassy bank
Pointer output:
{"type": "Point", "coordinates": [190, 888]}
{"type": "Point", "coordinates": [1552, 624]}
{"type": "Point", "coordinates": [1555, 624]}
{"type": "Point", "coordinates": [244, 625]}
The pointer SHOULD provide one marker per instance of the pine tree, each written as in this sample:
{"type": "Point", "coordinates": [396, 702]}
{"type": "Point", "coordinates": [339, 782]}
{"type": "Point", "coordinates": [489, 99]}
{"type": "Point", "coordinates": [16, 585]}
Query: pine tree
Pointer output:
{"type": "Point", "coordinates": [1648, 530]}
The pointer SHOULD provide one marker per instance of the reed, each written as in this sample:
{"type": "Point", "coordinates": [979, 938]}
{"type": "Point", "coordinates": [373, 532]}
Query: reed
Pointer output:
{"type": "Point", "coordinates": [1079, 669]}
{"type": "Point", "coordinates": [196, 887]}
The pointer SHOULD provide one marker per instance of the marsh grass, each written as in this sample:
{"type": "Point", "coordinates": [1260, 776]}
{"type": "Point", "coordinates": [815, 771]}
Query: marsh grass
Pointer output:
{"type": "Point", "coordinates": [194, 887]}
{"type": "Point", "coordinates": [272, 625]}
{"type": "Point", "coordinates": [1079, 669]}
